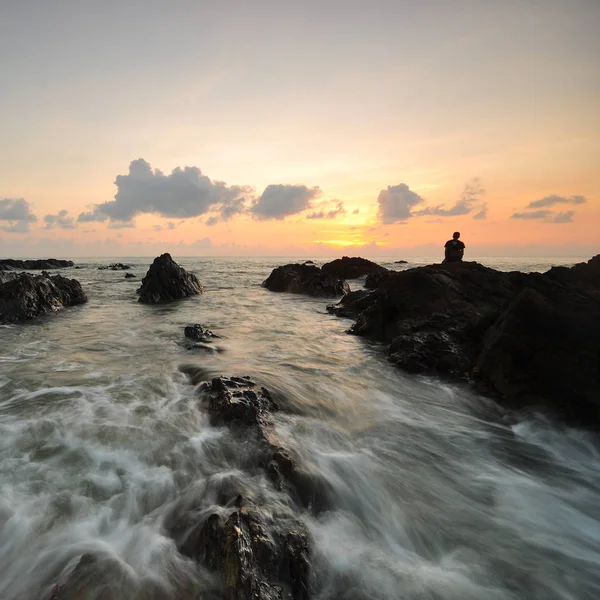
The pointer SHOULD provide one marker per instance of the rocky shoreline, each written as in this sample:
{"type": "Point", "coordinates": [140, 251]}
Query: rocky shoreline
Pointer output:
{"type": "Point", "coordinates": [527, 340]}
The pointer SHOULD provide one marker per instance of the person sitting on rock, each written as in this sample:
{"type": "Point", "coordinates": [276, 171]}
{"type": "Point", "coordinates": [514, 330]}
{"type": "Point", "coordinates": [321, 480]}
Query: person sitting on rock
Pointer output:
{"type": "Point", "coordinates": [454, 249]}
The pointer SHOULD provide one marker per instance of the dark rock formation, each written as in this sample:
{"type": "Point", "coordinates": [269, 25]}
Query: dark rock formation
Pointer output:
{"type": "Point", "coordinates": [376, 278]}
{"type": "Point", "coordinates": [525, 339]}
{"type": "Point", "coordinates": [400, 262]}
{"type": "Point", "coordinates": [255, 555]}
{"type": "Point", "coordinates": [305, 279]}
{"type": "Point", "coordinates": [30, 296]}
{"type": "Point", "coordinates": [114, 267]}
{"type": "Point", "coordinates": [197, 333]}
{"type": "Point", "coordinates": [34, 265]}
{"type": "Point", "coordinates": [129, 276]}
{"type": "Point", "coordinates": [166, 281]}
{"type": "Point", "coordinates": [351, 268]}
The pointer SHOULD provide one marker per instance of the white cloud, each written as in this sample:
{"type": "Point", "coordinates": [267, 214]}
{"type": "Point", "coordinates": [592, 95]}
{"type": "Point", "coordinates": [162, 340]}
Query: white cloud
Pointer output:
{"type": "Point", "coordinates": [328, 213]}
{"type": "Point", "coordinates": [468, 201]}
{"type": "Point", "coordinates": [186, 192]}
{"type": "Point", "coordinates": [282, 200]}
{"type": "Point", "coordinates": [61, 220]}
{"type": "Point", "coordinates": [553, 200]}
{"type": "Point", "coordinates": [396, 203]}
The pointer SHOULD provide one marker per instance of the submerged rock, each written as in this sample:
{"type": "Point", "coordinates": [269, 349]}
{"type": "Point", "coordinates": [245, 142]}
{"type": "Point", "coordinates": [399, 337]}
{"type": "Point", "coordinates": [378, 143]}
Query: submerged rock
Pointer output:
{"type": "Point", "coordinates": [351, 268]}
{"type": "Point", "coordinates": [30, 296]}
{"type": "Point", "coordinates": [114, 267]}
{"type": "Point", "coordinates": [525, 339]}
{"type": "Point", "coordinates": [129, 276]}
{"type": "Point", "coordinates": [34, 265]}
{"type": "Point", "coordinates": [258, 549]}
{"type": "Point", "coordinates": [198, 333]}
{"type": "Point", "coordinates": [166, 281]}
{"type": "Point", "coordinates": [305, 279]}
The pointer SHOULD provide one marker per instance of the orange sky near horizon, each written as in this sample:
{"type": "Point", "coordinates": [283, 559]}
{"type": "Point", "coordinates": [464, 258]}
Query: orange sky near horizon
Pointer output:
{"type": "Point", "coordinates": [355, 103]}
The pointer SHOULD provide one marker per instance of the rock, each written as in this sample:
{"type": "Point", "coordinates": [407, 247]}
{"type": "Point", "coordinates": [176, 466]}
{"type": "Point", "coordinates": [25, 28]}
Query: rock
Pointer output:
{"type": "Point", "coordinates": [544, 350]}
{"type": "Point", "coordinates": [524, 339]}
{"type": "Point", "coordinates": [400, 262]}
{"type": "Point", "coordinates": [114, 267]}
{"type": "Point", "coordinates": [255, 557]}
{"type": "Point", "coordinates": [258, 550]}
{"type": "Point", "coordinates": [129, 276]}
{"type": "Point", "coordinates": [166, 281]}
{"type": "Point", "coordinates": [34, 265]}
{"type": "Point", "coordinates": [305, 279]}
{"type": "Point", "coordinates": [30, 296]}
{"type": "Point", "coordinates": [376, 278]}
{"type": "Point", "coordinates": [350, 268]}
{"type": "Point", "coordinates": [198, 333]}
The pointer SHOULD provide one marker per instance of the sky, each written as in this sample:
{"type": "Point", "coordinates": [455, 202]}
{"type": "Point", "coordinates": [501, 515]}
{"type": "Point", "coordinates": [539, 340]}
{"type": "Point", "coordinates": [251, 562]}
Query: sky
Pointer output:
{"type": "Point", "coordinates": [314, 128]}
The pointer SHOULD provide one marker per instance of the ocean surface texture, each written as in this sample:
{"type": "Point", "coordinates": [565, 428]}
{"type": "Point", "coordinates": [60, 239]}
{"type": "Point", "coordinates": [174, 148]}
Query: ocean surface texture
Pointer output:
{"type": "Point", "coordinates": [438, 494]}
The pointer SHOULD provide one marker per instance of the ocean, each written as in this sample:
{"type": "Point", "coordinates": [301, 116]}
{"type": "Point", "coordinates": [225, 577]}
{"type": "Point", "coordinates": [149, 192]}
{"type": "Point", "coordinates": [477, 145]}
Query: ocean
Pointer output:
{"type": "Point", "coordinates": [438, 494]}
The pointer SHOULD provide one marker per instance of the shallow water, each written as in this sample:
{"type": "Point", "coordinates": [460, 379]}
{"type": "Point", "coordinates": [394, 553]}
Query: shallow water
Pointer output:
{"type": "Point", "coordinates": [436, 493]}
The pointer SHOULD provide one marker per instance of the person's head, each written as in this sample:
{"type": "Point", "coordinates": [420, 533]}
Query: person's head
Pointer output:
{"type": "Point", "coordinates": [456, 235]}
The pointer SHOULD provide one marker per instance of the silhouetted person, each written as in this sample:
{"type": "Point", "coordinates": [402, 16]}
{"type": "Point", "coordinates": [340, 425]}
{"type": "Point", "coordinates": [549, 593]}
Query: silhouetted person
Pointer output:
{"type": "Point", "coordinates": [454, 249]}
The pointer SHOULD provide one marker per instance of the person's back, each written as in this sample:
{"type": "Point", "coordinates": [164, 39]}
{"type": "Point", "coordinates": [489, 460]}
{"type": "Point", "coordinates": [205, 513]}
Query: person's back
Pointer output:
{"type": "Point", "coordinates": [454, 249]}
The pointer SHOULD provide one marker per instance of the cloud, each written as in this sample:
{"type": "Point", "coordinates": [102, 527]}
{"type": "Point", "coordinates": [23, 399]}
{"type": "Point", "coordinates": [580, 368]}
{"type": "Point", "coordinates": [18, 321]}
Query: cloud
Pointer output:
{"type": "Point", "coordinates": [212, 221]}
{"type": "Point", "coordinates": [61, 220]}
{"type": "Point", "coordinates": [21, 226]}
{"type": "Point", "coordinates": [564, 217]}
{"type": "Point", "coordinates": [186, 192]}
{"type": "Point", "coordinates": [396, 203]}
{"type": "Point", "coordinates": [121, 225]}
{"type": "Point", "coordinates": [16, 209]}
{"type": "Point", "coordinates": [536, 214]}
{"type": "Point", "coordinates": [467, 202]}
{"type": "Point", "coordinates": [282, 200]}
{"type": "Point", "coordinates": [339, 210]}
{"type": "Point", "coordinates": [356, 211]}
{"type": "Point", "coordinates": [481, 215]}
{"type": "Point", "coordinates": [553, 200]}
{"type": "Point", "coordinates": [90, 217]}
{"type": "Point", "coordinates": [170, 225]}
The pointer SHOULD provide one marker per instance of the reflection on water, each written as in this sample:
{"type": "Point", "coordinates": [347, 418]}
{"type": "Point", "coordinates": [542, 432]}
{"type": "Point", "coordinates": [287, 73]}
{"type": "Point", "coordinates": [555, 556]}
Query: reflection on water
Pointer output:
{"type": "Point", "coordinates": [435, 494]}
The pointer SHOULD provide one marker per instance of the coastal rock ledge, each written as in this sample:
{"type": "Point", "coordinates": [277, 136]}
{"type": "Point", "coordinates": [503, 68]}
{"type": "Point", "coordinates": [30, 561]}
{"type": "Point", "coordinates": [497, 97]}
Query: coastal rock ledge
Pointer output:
{"type": "Point", "coordinates": [166, 281]}
{"type": "Point", "coordinates": [29, 296]}
{"type": "Point", "coordinates": [305, 279]}
{"type": "Point", "coordinates": [528, 340]}
{"type": "Point", "coordinates": [7, 264]}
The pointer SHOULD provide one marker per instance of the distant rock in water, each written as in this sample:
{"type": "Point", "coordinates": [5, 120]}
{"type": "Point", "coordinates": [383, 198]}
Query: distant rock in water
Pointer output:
{"type": "Point", "coordinates": [525, 339]}
{"type": "Point", "coordinates": [129, 276]}
{"type": "Point", "coordinates": [30, 296]}
{"type": "Point", "coordinates": [166, 281]}
{"type": "Point", "coordinates": [400, 262]}
{"type": "Point", "coordinates": [197, 333]}
{"type": "Point", "coordinates": [305, 279]}
{"type": "Point", "coordinates": [114, 267]}
{"type": "Point", "coordinates": [351, 268]}
{"type": "Point", "coordinates": [34, 265]}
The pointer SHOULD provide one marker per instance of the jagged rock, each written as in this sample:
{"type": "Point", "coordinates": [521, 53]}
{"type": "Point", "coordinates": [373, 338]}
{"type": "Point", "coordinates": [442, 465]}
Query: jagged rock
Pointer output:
{"type": "Point", "coordinates": [129, 276]}
{"type": "Point", "coordinates": [198, 333]}
{"type": "Point", "coordinates": [376, 278]}
{"type": "Point", "coordinates": [34, 265]}
{"type": "Point", "coordinates": [114, 267]}
{"type": "Point", "coordinates": [525, 339]}
{"type": "Point", "coordinates": [166, 281]}
{"type": "Point", "coordinates": [30, 296]}
{"type": "Point", "coordinates": [351, 268]}
{"type": "Point", "coordinates": [305, 279]}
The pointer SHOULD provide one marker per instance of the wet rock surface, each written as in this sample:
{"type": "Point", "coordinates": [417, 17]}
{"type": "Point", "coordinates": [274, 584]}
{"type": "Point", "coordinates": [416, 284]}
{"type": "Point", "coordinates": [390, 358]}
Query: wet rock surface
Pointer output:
{"type": "Point", "coordinates": [129, 276]}
{"type": "Point", "coordinates": [305, 279]}
{"type": "Point", "coordinates": [27, 296]}
{"type": "Point", "coordinates": [258, 549]}
{"type": "Point", "coordinates": [351, 267]}
{"type": "Point", "coordinates": [198, 333]}
{"type": "Point", "coordinates": [166, 281]}
{"type": "Point", "coordinates": [525, 339]}
{"type": "Point", "coordinates": [34, 265]}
